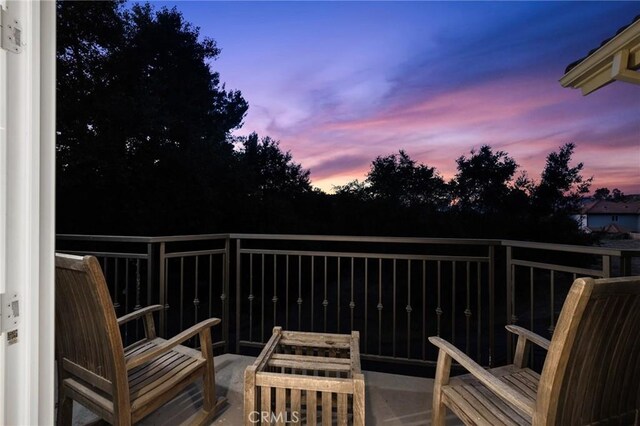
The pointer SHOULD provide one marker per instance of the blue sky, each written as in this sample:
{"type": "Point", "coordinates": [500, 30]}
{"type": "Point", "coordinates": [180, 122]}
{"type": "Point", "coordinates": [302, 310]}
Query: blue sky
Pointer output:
{"type": "Point", "coordinates": [339, 83]}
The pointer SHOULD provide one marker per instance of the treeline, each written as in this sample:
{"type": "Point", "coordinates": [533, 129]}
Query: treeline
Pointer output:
{"type": "Point", "coordinates": [145, 148]}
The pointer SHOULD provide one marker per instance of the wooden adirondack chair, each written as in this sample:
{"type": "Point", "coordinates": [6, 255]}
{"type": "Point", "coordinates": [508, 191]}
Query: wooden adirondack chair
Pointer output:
{"type": "Point", "coordinates": [591, 374]}
{"type": "Point", "coordinates": [121, 385]}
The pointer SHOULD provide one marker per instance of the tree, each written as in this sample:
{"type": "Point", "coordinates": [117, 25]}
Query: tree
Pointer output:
{"type": "Point", "coordinates": [143, 121]}
{"type": "Point", "coordinates": [483, 181]}
{"type": "Point", "coordinates": [605, 194]}
{"type": "Point", "coordinates": [267, 169]}
{"type": "Point", "coordinates": [561, 186]}
{"type": "Point", "coordinates": [617, 195]}
{"type": "Point", "coordinates": [354, 190]}
{"type": "Point", "coordinates": [602, 194]}
{"type": "Point", "coordinates": [398, 180]}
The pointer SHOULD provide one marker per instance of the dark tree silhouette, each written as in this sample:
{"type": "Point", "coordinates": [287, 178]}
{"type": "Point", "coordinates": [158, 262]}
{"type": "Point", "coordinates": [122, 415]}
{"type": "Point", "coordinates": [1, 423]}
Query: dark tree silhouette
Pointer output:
{"type": "Point", "coordinates": [605, 194]}
{"type": "Point", "coordinates": [266, 169]}
{"type": "Point", "coordinates": [398, 180]}
{"type": "Point", "coordinates": [143, 122]}
{"type": "Point", "coordinates": [483, 181]}
{"type": "Point", "coordinates": [561, 186]}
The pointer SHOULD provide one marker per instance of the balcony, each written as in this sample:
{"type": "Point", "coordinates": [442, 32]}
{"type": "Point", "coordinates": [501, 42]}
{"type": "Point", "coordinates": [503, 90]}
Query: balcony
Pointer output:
{"type": "Point", "coordinates": [395, 291]}
{"type": "Point", "coordinates": [391, 399]}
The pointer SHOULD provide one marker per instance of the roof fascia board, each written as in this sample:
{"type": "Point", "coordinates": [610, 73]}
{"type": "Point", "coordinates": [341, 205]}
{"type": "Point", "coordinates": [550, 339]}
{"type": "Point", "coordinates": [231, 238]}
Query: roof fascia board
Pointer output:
{"type": "Point", "coordinates": [595, 71]}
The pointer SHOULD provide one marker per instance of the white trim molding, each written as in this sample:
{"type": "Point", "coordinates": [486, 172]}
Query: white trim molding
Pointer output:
{"type": "Point", "coordinates": [616, 60]}
{"type": "Point", "coordinates": [28, 248]}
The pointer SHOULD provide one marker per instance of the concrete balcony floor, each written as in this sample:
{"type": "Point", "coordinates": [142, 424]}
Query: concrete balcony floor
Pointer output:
{"type": "Point", "coordinates": [391, 399]}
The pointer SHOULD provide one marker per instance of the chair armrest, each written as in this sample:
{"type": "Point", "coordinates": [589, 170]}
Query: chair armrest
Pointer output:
{"type": "Point", "coordinates": [137, 314]}
{"type": "Point", "coordinates": [171, 343]}
{"type": "Point", "coordinates": [507, 393]}
{"type": "Point", "coordinates": [529, 335]}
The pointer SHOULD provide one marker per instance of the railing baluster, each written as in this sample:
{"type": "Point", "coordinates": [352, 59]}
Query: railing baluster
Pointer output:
{"type": "Point", "coordinates": [467, 311]}
{"type": "Point", "coordinates": [380, 307]}
{"type": "Point", "coordinates": [352, 304]}
{"type": "Point", "coordinates": [275, 290]}
{"type": "Point", "coordinates": [453, 301]}
{"type": "Point", "coordinates": [393, 309]}
{"type": "Point", "coordinates": [366, 304]}
{"type": "Point", "coordinates": [138, 306]}
{"type": "Point", "coordinates": [251, 297]}
{"type": "Point", "coordinates": [439, 307]}
{"type": "Point", "coordinates": [514, 317]}
{"type": "Point", "coordinates": [299, 301]}
{"type": "Point", "coordinates": [552, 310]}
{"type": "Point", "coordinates": [210, 285]}
{"type": "Point", "coordinates": [181, 292]}
{"type": "Point", "coordinates": [408, 308]}
{"type": "Point", "coordinates": [479, 314]}
{"type": "Point", "coordinates": [239, 293]}
{"type": "Point", "coordinates": [531, 306]}
{"type": "Point", "coordinates": [196, 301]}
{"type": "Point", "coordinates": [162, 288]}
{"type": "Point", "coordinates": [338, 298]}
{"type": "Point", "coordinates": [424, 309]}
{"type": "Point", "coordinates": [262, 297]}
{"type": "Point", "coordinates": [116, 303]}
{"type": "Point", "coordinates": [312, 290]}
{"type": "Point", "coordinates": [325, 302]}
{"type": "Point", "coordinates": [286, 295]}
{"type": "Point", "coordinates": [126, 295]}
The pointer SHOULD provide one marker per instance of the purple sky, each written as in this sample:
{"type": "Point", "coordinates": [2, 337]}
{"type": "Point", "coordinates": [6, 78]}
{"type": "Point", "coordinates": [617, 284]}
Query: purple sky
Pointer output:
{"type": "Point", "coordinates": [339, 83]}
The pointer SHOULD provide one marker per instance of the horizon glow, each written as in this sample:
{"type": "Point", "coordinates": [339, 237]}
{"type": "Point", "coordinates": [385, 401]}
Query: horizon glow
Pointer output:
{"type": "Point", "coordinates": [340, 83]}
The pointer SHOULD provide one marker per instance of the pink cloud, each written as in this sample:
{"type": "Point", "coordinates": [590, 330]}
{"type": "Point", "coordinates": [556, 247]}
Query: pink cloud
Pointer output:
{"type": "Point", "coordinates": [527, 116]}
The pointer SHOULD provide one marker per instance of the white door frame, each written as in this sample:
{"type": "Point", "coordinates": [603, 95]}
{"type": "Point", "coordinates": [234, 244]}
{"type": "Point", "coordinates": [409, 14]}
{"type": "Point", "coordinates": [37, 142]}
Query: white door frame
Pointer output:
{"type": "Point", "coordinates": [27, 172]}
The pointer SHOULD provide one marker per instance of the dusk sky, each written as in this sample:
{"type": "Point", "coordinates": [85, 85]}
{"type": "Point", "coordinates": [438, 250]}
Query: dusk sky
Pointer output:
{"type": "Point", "coordinates": [339, 83]}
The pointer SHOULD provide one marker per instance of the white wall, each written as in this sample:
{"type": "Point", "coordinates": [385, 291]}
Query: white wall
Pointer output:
{"type": "Point", "coordinates": [29, 172]}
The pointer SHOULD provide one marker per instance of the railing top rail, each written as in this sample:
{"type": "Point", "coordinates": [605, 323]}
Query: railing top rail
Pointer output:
{"type": "Point", "coordinates": [141, 239]}
{"type": "Point", "coordinates": [356, 239]}
{"type": "Point", "coordinates": [290, 237]}
{"type": "Point", "coordinates": [366, 239]}
{"type": "Point", "coordinates": [605, 251]}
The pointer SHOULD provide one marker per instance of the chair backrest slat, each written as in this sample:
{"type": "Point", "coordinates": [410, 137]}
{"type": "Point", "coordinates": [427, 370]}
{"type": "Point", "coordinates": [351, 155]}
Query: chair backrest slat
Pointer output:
{"type": "Point", "coordinates": [86, 326]}
{"type": "Point", "coordinates": [592, 371]}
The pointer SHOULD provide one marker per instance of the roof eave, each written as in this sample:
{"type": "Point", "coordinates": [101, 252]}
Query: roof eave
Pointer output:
{"type": "Point", "coordinates": [600, 68]}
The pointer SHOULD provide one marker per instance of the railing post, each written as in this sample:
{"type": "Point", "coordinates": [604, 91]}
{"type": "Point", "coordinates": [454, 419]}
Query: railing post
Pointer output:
{"type": "Point", "coordinates": [162, 291]}
{"type": "Point", "coordinates": [606, 266]}
{"type": "Point", "coordinates": [225, 313]}
{"type": "Point", "coordinates": [625, 265]}
{"type": "Point", "coordinates": [151, 271]}
{"type": "Point", "coordinates": [238, 295]}
{"type": "Point", "coordinates": [509, 285]}
{"type": "Point", "coordinates": [156, 281]}
{"type": "Point", "coordinates": [492, 278]}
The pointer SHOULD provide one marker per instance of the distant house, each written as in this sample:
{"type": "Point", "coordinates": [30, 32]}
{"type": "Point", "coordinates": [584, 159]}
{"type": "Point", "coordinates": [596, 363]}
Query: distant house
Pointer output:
{"type": "Point", "coordinates": [612, 217]}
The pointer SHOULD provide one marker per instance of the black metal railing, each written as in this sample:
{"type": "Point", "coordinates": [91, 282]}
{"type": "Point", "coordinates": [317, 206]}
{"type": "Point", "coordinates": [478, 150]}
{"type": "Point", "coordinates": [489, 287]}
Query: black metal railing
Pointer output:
{"type": "Point", "coordinates": [395, 291]}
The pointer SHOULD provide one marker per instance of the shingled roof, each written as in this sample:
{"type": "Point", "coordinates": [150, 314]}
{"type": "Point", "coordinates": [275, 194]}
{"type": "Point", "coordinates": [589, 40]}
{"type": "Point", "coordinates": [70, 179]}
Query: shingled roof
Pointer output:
{"type": "Point", "coordinates": [613, 207]}
{"type": "Point", "coordinates": [616, 59]}
{"type": "Point", "coordinates": [592, 51]}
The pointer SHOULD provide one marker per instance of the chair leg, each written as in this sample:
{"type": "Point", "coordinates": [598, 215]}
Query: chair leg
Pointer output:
{"type": "Point", "coordinates": [65, 411]}
{"type": "Point", "coordinates": [443, 369]}
{"type": "Point", "coordinates": [209, 379]}
{"type": "Point", "coordinates": [438, 414]}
